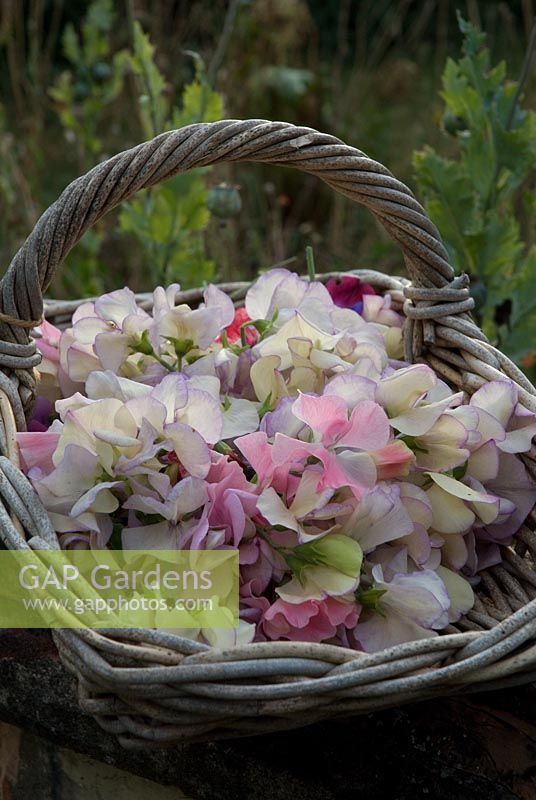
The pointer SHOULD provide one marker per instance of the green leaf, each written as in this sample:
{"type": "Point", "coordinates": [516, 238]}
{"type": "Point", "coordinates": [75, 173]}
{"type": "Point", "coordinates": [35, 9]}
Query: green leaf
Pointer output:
{"type": "Point", "coordinates": [199, 104]}
{"type": "Point", "coordinates": [474, 38]}
{"type": "Point", "coordinates": [153, 105]}
{"type": "Point", "coordinates": [473, 196]}
{"type": "Point", "coordinates": [451, 202]}
{"type": "Point", "coordinates": [70, 43]}
{"type": "Point", "coordinates": [370, 598]}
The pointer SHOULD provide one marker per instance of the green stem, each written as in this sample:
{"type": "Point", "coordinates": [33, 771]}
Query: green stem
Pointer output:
{"type": "Point", "coordinates": [309, 257]}
{"type": "Point", "coordinates": [282, 550]}
{"type": "Point", "coordinates": [165, 364]}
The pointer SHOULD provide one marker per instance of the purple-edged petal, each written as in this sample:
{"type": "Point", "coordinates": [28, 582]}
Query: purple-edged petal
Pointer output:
{"type": "Point", "coordinates": [259, 296]}
{"type": "Point", "coordinates": [483, 463]}
{"type": "Point", "coordinates": [514, 484]}
{"type": "Point", "coordinates": [190, 447]}
{"type": "Point", "coordinates": [454, 551]}
{"type": "Point", "coordinates": [381, 632]}
{"type": "Point", "coordinates": [420, 596]}
{"type": "Point", "coordinates": [282, 420]}
{"type": "Point", "coordinates": [115, 306]}
{"type": "Point", "coordinates": [498, 398]}
{"type": "Point", "coordinates": [204, 414]}
{"type": "Point", "coordinates": [420, 419]}
{"type": "Point", "coordinates": [98, 499]}
{"type": "Point", "coordinates": [461, 595]}
{"type": "Point", "coordinates": [402, 390]}
{"type": "Point", "coordinates": [219, 303]}
{"type": "Point", "coordinates": [104, 384]}
{"type": "Point", "coordinates": [353, 389]}
{"type": "Point", "coordinates": [380, 517]}
{"type": "Point", "coordinates": [521, 432]}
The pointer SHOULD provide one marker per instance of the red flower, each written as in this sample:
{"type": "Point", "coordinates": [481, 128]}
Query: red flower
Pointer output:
{"type": "Point", "coordinates": [233, 330]}
{"type": "Point", "coordinates": [348, 291]}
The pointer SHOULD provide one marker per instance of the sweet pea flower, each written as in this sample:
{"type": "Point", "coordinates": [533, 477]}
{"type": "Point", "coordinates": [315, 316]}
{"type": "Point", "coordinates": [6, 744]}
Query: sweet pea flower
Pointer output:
{"type": "Point", "coordinates": [53, 381]}
{"type": "Point", "coordinates": [517, 493]}
{"type": "Point", "coordinates": [259, 565]}
{"type": "Point", "coordinates": [377, 308]}
{"type": "Point", "coordinates": [306, 509]}
{"type": "Point", "coordinates": [442, 447]}
{"type": "Point", "coordinates": [76, 497]}
{"type": "Point", "coordinates": [102, 335]}
{"type": "Point", "coordinates": [402, 394]}
{"type": "Point", "coordinates": [281, 290]}
{"type": "Point", "coordinates": [380, 517]}
{"type": "Point", "coordinates": [197, 327]}
{"type": "Point", "coordinates": [296, 327]}
{"type": "Point", "coordinates": [455, 506]}
{"type": "Point", "coordinates": [339, 442]}
{"type": "Point", "coordinates": [413, 606]}
{"type": "Point", "coordinates": [326, 567]}
{"type": "Point", "coordinates": [252, 607]}
{"type": "Point", "coordinates": [233, 331]}
{"type": "Point", "coordinates": [181, 501]}
{"type": "Point", "coordinates": [282, 420]}
{"type": "Point", "coordinates": [500, 399]}
{"type": "Point", "coordinates": [348, 291]}
{"type": "Point", "coordinates": [310, 620]}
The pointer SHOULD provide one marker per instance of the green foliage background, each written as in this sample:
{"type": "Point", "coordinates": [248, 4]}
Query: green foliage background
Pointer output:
{"type": "Point", "coordinates": [82, 80]}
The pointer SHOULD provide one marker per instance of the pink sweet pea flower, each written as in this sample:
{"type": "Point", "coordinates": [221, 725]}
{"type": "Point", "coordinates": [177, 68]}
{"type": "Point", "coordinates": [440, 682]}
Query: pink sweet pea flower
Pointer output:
{"type": "Point", "coordinates": [393, 461]}
{"type": "Point", "coordinates": [348, 291]}
{"type": "Point", "coordinates": [309, 621]}
{"type": "Point", "coordinates": [367, 428]}
{"type": "Point", "coordinates": [341, 443]}
{"type": "Point", "coordinates": [48, 341]}
{"type": "Point", "coordinates": [37, 448]}
{"type": "Point", "coordinates": [53, 381]}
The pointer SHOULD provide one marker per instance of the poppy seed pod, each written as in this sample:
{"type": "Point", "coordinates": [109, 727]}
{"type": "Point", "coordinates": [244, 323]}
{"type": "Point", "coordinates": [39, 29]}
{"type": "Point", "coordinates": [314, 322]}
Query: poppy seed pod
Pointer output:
{"type": "Point", "coordinates": [224, 201]}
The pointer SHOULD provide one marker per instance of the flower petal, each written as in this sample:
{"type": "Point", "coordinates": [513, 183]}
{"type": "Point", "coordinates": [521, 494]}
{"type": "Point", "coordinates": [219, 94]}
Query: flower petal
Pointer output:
{"type": "Point", "coordinates": [401, 391]}
{"type": "Point", "coordinates": [368, 428]}
{"type": "Point", "coordinates": [461, 595]}
{"type": "Point", "coordinates": [498, 398]}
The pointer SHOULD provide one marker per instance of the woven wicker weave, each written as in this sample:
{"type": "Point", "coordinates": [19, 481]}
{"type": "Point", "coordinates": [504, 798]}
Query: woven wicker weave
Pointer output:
{"type": "Point", "coordinates": [150, 687]}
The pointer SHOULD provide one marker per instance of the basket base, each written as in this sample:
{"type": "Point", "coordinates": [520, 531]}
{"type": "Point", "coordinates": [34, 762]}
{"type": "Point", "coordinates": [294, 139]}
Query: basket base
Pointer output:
{"type": "Point", "coordinates": [480, 746]}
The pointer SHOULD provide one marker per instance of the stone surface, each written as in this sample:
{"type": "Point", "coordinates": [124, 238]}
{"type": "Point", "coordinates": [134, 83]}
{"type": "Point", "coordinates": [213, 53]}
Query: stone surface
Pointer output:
{"type": "Point", "coordinates": [483, 747]}
{"type": "Point", "coordinates": [47, 772]}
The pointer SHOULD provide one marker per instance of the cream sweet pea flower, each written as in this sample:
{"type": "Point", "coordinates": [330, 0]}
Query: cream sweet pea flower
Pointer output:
{"type": "Point", "coordinates": [326, 567]}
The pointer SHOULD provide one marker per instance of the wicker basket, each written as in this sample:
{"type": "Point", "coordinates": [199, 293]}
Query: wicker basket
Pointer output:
{"type": "Point", "coordinates": [149, 687]}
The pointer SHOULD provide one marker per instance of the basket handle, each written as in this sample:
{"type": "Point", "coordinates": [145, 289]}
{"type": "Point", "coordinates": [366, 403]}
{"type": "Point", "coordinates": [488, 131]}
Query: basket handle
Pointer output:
{"type": "Point", "coordinates": [346, 169]}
